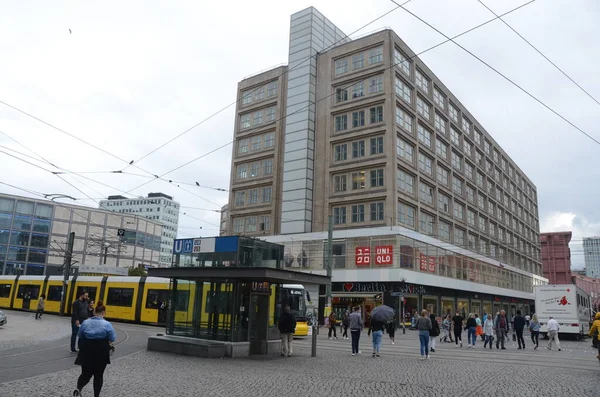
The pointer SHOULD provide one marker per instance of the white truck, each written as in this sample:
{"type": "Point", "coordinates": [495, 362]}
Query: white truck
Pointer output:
{"type": "Point", "coordinates": [568, 304]}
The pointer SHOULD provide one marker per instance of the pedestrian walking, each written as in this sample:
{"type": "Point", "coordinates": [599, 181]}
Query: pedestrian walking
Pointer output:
{"type": "Point", "coordinates": [457, 324]}
{"type": "Point", "coordinates": [553, 329]}
{"type": "Point", "coordinates": [446, 325]}
{"type": "Point", "coordinates": [356, 326]}
{"type": "Point", "coordinates": [595, 330]}
{"type": "Point", "coordinates": [534, 326]}
{"type": "Point", "coordinates": [376, 329]}
{"type": "Point", "coordinates": [527, 320]}
{"type": "Point", "coordinates": [471, 328]}
{"type": "Point", "coordinates": [345, 325]}
{"type": "Point", "coordinates": [40, 307]}
{"type": "Point", "coordinates": [332, 322]}
{"type": "Point", "coordinates": [501, 327]}
{"type": "Point", "coordinates": [79, 313]}
{"type": "Point", "coordinates": [91, 308]}
{"type": "Point", "coordinates": [287, 327]}
{"type": "Point", "coordinates": [434, 332]}
{"type": "Point", "coordinates": [519, 326]}
{"type": "Point", "coordinates": [479, 328]}
{"type": "Point", "coordinates": [391, 330]}
{"type": "Point", "coordinates": [423, 324]}
{"type": "Point", "coordinates": [96, 337]}
{"type": "Point", "coordinates": [485, 316]}
{"type": "Point", "coordinates": [488, 330]}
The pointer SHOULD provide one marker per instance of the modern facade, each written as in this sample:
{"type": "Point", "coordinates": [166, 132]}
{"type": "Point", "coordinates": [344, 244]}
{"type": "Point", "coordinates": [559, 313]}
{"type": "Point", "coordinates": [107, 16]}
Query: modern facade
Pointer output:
{"type": "Point", "coordinates": [158, 207]}
{"type": "Point", "coordinates": [556, 257]}
{"type": "Point", "coordinates": [34, 234]}
{"type": "Point", "coordinates": [591, 248]}
{"type": "Point", "coordinates": [223, 221]}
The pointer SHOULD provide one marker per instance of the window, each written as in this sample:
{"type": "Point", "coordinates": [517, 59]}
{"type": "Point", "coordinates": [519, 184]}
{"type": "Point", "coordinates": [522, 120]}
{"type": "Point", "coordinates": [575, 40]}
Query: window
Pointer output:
{"type": "Point", "coordinates": [271, 113]}
{"type": "Point", "coordinates": [459, 211]}
{"type": "Point", "coordinates": [421, 81]}
{"type": "Point", "coordinates": [442, 175]}
{"type": "Point", "coordinates": [455, 137]}
{"type": "Point", "coordinates": [440, 123]}
{"type": "Point", "coordinates": [340, 152]}
{"type": "Point", "coordinates": [240, 199]}
{"type": "Point", "coordinates": [267, 167]}
{"type": "Point", "coordinates": [254, 169]}
{"type": "Point", "coordinates": [339, 215]}
{"type": "Point", "coordinates": [466, 125]}
{"type": "Point", "coordinates": [456, 161]}
{"type": "Point", "coordinates": [470, 194]}
{"type": "Point", "coordinates": [358, 149]}
{"type": "Point", "coordinates": [259, 94]}
{"type": "Point", "coordinates": [477, 137]}
{"type": "Point", "coordinates": [403, 91]}
{"type": "Point", "coordinates": [341, 95]}
{"type": "Point", "coordinates": [423, 108]}
{"type": "Point", "coordinates": [358, 118]}
{"type": "Point", "coordinates": [377, 211]}
{"type": "Point", "coordinates": [377, 145]}
{"type": "Point", "coordinates": [424, 135]}
{"type": "Point", "coordinates": [252, 196]}
{"type": "Point", "coordinates": [443, 203]}
{"type": "Point", "coordinates": [441, 149]}
{"type": "Point", "coordinates": [245, 121]}
{"type": "Point", "coordinates": [242, 171]}
{"type": "Point", "coordinates": [439, 98]}
{"type": "Point", "coordinates": [120, 297]}
{"type": "Point", "coordinates": [358, 90]}
{"type": "Point", "coordinates": [243, 146]}
{"type": "Point", "coordinates": [376, 114]}
{"type": "Point", "coordinates": [482, 224]}
{"type": "Point", "coordinates": [272, 89]}
{"type": "Point", "coordinates": [457, 185]}
{"type": "Point", "coordinates": [426, 223]}
{"type": "Point", "coordinates": [459, 237]}
{"type": "Point", "coordinates": [238, 225]}
{"type": "Point", "coordinates": [404, 120]}
{"type": "Point", "coordinates": [406, 215]}
{"type": "Point", "coordinates": [492, 209]}
{"type": "Point", "coordinates": [246, 97]}
{"type": "Point", "coordinates": [470, 218]}
{"type": "Point", "coordinates": [468, 148]}
{"type": "Point", "coordinates": [358, 180]}
{"type": "Point", "coordinates": [402, 62]}
{"type": "Point", "coordinates": [358, 213]}
{"type": "Point", "coordinates": [251, 224]}
{"type": "Point", "coordinates": [480, 180]}
{"type": "Point", "coordinates": [492, 230]}
{"type": "Point", "coordinates": [266, 194]}
{"type": "Point", "coordinates": [265, 223]}
{"type": "Point", "coordinates": [444, 231]}
{"type": "Point", "coordinates": [256, 141]}
{"type": "Point", "coordinates": [258, 118]}
{"type": "Point", "coordinates": [500, 234]}
{"type": "Point", "coordinates": [453, 113]}
{"type": "Point", "coordinates": [426, 193]}
{"type": "Point", "coordinates": [376, 55]}
{"type": "Point", "coordinates": [425, 164]}
{"type": "Point", "coordinates": [358, 61]}
{"type": "Point", "coordinates": [376, 85]}
{"type": "Point", "coordinates": [481, 201]}
{"type": "Point", "coordinates": [341, 122]}
{"type": "Point", "coordinates": [341, 66]}
{"type": "Point", "coordinates": [496, 156]}
{"type": "Point", "coordinates": [404, 150]}
{"type": "Point", "coordinates": [269, 139]}
{"type": "Point", "coordinates": [487, 148]}
{"type": "Point", "coordinates": [377, 178]}
{"type": "Point", "coordinates": [406, 182]}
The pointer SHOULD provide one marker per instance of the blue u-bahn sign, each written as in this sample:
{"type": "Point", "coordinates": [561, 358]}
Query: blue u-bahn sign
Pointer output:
{"type": "Point", "coordinates": [183, 246]}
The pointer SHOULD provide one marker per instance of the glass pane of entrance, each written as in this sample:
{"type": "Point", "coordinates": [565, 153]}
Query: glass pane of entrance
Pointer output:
{"type": "Point", "coordinates": [497, 307]}
{"type": "Point", "coordinates": [448, 306]}
{"type": "Point", "coordinates": [487, 308]}
{"type": "Point", "coordinates": [411, 307]}
{"type": "Point", "coordinates": [463, 308]}
{"type": "Point", "coordinates": [430, 303]}
{"type": "Point", "coordinates": [476, 308]}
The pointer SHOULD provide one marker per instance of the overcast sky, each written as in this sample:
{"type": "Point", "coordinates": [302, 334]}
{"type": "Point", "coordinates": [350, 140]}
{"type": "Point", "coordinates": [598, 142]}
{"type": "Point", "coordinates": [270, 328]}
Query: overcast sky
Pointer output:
{"type": "Point", "coordinates": [134, 74]}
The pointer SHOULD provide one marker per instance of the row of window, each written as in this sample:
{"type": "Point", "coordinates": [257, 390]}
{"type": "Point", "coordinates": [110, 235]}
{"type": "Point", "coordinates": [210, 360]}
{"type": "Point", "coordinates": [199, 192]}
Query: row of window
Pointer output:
{"type": "Point", "coordinates": [254, 169]}
{"type": "Point", "coordinates": [23, 238]}
{"type": "Point", "coordinates": [24, 222]}
{"type": "Point", "coordinates": [358, 118]}
{"type": "Point", "coordinates": [258, 94]}
{"type": "Point", "coordinates": [256, 143]}
{"type": "Point", "coordinates": [356, 213]}
{"type": "Point", "coordinates": [357, 90]}
{"type": "Point", "coordinates": [253, 196]}
{"type": "Point", "coordinates": [252, 224]}
{"type": "Point", "coordinates": [257, 118]}
{"type": "Point", "coordinates": [358, 149]}
{"type": "Point", "coordinates": [358, 61]}
{"type": "Point", "coordinates": [358, 180]}
{"type": "Point", "coordinates": [20, 254]}
{"type": "Point", "coordinates": [43, 211]}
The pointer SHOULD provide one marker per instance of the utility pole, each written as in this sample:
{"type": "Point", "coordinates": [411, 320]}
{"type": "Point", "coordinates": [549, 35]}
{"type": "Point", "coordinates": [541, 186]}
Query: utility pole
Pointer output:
{"type": "Point", "coordinates": [67, 271]}
{"type": "Point", "coordinates": [329, 260]}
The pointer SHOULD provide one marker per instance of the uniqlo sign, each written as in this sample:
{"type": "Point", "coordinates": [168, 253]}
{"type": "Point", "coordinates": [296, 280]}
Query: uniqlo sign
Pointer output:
{"type": "Point", "coordinates": [363, 256]}
{"type": "Point", "coordinates": [384, 255]}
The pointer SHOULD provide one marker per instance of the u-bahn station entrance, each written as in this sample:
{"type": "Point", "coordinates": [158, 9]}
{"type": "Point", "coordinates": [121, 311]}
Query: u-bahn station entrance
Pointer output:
{"type": "Point", "coordinates": [226, 297]}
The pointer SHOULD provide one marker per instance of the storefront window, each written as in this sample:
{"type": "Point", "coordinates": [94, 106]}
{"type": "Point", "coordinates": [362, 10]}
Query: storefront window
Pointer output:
{"type": "Point", "coordinates": [463, 307]}
{"type": "Point", "coordinates": [448, 306]}
{"type": "Point", "coordinates": [430, 303]}
{"type": "Point", "coordinates": [411, 306]}
{"type": "Point", "coordinates": [487, 307]}
{"type": "Point", "coordinates": [497, 307]}
{"type": "Point", "coordinates": [476, 307]}
{"type": "Point", "coordinates": [406, 253]}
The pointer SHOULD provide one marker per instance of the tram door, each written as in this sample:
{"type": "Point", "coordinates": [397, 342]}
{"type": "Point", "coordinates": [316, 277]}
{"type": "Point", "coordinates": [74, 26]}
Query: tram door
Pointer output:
{"type": "Point", "coordinates": [258, 323]}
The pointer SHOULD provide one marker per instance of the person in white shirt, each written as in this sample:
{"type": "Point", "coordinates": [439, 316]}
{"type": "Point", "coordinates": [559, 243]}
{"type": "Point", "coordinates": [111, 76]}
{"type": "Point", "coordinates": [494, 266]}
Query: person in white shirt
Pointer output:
{"type": "Point", "coordinates": [553, 333]}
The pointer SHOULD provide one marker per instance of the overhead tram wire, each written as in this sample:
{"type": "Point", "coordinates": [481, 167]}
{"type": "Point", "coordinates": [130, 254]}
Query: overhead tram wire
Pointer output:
{"type": "Point", "coordinates": [346, 87]}
{"type": "Point", "coordinates": [501, 74]}
{"type": "Point", "coordinates": [542, 54]}
{"type": "Point", "coordinates": [251, 93]}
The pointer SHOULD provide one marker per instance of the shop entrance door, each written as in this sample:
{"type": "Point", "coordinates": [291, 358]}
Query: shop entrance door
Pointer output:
{"type": "Point", "coordinates": [258, 323]}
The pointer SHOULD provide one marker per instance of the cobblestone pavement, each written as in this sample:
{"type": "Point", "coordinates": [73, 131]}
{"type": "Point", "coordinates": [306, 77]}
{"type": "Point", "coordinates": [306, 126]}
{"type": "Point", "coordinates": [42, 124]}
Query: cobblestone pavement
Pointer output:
{"type": "Point", "coordinates": [334, 372]}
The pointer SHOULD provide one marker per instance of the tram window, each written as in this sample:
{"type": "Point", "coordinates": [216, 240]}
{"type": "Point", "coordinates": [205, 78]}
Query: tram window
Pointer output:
{"type": "Point", "coordinates": [28, 292]}
{"type": "Point", "coordinates": [181, 303]}
{"type": "Point", "coordinates": [5, 290]}
{"type": "Point", "coordinates": [120, 297]}
{"type": "Point", "coordinates": [90, 290]}
{"type": "Point", "coordinates": [156, 298]}
{"type": "Point", "coordinates": [54, 293]}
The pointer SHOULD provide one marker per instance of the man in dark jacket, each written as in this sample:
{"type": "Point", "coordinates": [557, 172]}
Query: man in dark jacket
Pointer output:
{"type": "Point", "coordinates": [287, 327]}
{"type": "Point", "coordinates": [79, 313]}
{"type": "Point", "coordinates": [518, 326]}
{"type": "Point", "coordinates": [501, 326]}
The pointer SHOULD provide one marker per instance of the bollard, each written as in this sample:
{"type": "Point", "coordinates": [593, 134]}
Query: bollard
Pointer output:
{"type": "Point", "coordinates": [314, 342]}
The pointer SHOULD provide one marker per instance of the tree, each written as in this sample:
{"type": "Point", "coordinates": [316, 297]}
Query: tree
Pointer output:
{"type": "Point", "coordinates": [137, 271]}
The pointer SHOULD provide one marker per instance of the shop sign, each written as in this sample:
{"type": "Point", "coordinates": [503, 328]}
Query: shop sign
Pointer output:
{"type": "Point", "coordinates": [261, 287]}
{"type": "Point", "coordinates": [362, 256]}
{"type": "Point", "coordinates": [383, 287]}
{"type": "Point", "coordinates": [384, 255]}
{"type": "Point", "coordinates": [427, 263]}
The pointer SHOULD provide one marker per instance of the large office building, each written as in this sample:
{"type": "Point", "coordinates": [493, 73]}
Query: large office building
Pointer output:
{"type": "Point", "coordinates": [591, 249]}
{"type": "Point", "coordinates": [34, 234]}
{"type": "Point", "coordinates": [158, 207]}
{"type": "Point", "coordinates": [364, 131]}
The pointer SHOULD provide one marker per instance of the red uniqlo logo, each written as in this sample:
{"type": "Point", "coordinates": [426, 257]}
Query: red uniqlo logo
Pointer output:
{"type": "Point", "coordinates": [363, 256]}
{"type": "Point", "coordinates": [384, 255]}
